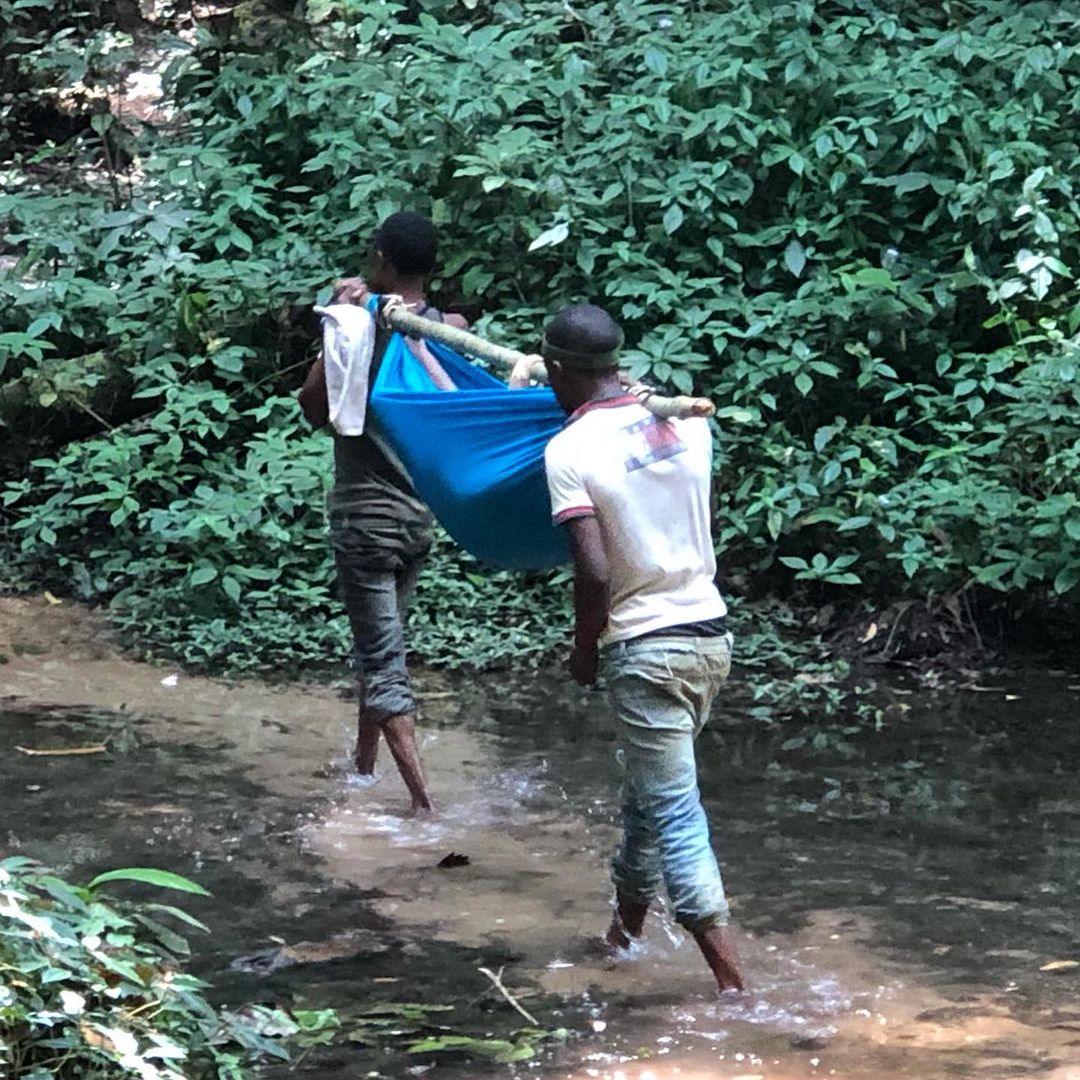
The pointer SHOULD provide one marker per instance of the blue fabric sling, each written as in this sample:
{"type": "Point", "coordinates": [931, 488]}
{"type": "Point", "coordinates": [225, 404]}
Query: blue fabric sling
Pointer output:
{"type": "Point", "coordinates": [475, 455]}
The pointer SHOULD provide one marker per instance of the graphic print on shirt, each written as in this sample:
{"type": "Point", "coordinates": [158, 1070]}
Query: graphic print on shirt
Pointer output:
{"type": "Point", "coordinates": [653, 440]}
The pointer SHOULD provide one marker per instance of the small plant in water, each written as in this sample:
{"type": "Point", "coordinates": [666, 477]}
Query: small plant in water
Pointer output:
{"type": "Point", "coordinates": [96, 989]}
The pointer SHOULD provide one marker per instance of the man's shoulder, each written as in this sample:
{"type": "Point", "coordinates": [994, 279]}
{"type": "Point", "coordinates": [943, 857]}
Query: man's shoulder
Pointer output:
{"type": "Point", "coordinates": [567, 436]}
{"type": "Point", "coordinates": [560, 446]}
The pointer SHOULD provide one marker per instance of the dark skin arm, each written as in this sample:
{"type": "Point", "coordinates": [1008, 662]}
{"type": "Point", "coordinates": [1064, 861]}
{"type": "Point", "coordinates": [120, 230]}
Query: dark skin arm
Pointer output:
{"type": "Point", "coordinates": [312, 396]}
{"type": "Point", "coordinates": [592, 594]}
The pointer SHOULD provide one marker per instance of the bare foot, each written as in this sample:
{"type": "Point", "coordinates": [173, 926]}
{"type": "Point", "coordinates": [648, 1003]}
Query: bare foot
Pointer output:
{"type": "Point", "coordinates": [718, 948]}
{"type": "Point", "coordinates": [400, 732]}
{"type": "Point", "coordinates": [617, 939]}
{"type": "Point", "coordinates": [627, 923]}
{"type": "Point", "coordinates": [366, 751]}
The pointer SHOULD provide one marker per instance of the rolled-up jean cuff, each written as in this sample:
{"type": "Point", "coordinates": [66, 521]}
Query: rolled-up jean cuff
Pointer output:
{"type": "Point", "coordinates": [704, 923]}
{"type": "Point", "coordinates": [630, 895]}
{"type": "Point", "coordinates": [382, 703]}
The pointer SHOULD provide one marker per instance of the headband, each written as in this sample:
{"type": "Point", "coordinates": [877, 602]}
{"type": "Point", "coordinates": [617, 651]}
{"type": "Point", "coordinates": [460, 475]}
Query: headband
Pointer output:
{"type": "Point", "coordinates": [581, 361]}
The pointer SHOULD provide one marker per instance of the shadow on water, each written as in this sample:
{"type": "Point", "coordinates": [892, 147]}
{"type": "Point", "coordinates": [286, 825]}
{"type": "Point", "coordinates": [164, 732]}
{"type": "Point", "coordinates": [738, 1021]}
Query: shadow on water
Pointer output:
{"type": "Point", "coordinates": [897, 893]}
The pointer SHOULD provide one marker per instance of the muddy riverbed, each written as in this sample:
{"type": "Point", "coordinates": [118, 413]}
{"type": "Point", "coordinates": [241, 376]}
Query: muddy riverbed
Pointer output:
{"type": "Point", "coordinates": [895, 902]}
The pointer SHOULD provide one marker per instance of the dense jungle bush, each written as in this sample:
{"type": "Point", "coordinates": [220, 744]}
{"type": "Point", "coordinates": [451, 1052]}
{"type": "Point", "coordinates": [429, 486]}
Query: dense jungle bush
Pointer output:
{"type": "Point", "coordinates": [853, 224]}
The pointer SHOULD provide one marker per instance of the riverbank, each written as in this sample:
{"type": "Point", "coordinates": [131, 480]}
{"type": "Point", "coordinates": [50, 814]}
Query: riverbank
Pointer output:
{"type": "Point", "coordinates": [896, 901]}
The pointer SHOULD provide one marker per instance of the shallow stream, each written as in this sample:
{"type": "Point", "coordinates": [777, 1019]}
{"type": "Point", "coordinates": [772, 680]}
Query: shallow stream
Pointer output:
{"type": "Point", "coordinates": [895, 902]}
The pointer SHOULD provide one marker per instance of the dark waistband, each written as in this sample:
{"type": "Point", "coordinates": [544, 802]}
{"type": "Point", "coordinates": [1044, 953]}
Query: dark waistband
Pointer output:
{"type": "Point", "coordinates": [704, 628]}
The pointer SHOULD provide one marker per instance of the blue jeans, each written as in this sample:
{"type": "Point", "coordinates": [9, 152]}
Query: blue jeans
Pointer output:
{"type": "Point", "coordinates": [662, 689]}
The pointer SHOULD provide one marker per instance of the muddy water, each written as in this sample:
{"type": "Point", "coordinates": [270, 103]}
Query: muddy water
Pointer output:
{"type": "Point", "coordinates": [895, 901]}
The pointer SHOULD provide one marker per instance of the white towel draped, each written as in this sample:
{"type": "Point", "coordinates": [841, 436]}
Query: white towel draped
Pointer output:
{"type": "Point", "coordinates": [348, 347]}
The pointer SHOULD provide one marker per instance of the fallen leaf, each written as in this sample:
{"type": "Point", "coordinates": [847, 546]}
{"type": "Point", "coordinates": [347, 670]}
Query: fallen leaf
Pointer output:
{"type": "Point", "coordinates": [65, 751]}
{"type": "Point", "coordinates": [453, 860]}
{"type": "Point", "coordinates": [52, 599]}
{"type": "Point", "coordinates": [871, 633]}
{"type": "Point", "coordinates": [1061, 965]}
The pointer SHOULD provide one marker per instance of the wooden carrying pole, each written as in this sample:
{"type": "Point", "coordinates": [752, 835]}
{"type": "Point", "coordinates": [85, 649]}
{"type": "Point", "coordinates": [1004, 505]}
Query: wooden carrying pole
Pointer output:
{"type": "Point", "coordinates": [399, 318]}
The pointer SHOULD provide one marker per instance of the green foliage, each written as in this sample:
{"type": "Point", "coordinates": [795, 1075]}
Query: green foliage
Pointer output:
{"type": "Point", "coordinates": [414, 1028]}
{"type": "Point", "coordinates": [163, 879]}
{"type": "Point", "coordinates": [856, 230]}
{"type": "Point", "coordinates": [90, 988]}
{"type": "Point", "coordinates": [505, 1051]}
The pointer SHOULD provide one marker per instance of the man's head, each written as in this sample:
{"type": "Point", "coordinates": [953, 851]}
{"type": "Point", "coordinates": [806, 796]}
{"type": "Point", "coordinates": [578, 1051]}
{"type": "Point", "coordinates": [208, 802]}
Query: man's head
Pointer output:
{"type": "Point", "coordinates": [405, 247]}
{"type": "Point", "coordinates": [581, 353]}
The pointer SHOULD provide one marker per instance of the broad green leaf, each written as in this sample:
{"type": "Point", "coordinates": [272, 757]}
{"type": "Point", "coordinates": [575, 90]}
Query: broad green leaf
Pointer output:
{"type": "Point", "coordinates": [163, 879]}
{"type": "Point", "coordinates": [203, 575]}
{"type": "Point", "coordinates": [852, 523]}
{"type": "Point", "coordinates": [1066, 578]}
{"type": "Point", "coordinates": [872, 277]}
{"type": "Point", "coordinates": [736, 414]}
{"type": "Point", "coordinates": [656, 62]}
{"type": "Point", "coordinates": [843, 579]}
{"type": "Point", "coordinates": [795, 258]}
{"type": "Point", "coordinates": [178, 913]}
{"type": "Point", "coordinates": [909, 182]}
{"type": "Point", "coordinates": [550, 237]}
{"type": "Point", "coordinates": [673, 218]}
{"type": "Point", "coordinates": [170, 939]}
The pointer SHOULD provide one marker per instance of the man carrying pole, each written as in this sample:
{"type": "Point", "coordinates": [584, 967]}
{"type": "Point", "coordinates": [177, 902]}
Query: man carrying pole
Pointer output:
{"type": "Point", "coordinates": [380, 530]}
{"type": "Point", "coordinates": [632, 489]}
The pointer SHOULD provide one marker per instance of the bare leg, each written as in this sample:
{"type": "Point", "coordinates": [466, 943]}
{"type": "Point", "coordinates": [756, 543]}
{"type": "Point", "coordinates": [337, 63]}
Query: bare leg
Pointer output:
{"type": "Point", "coordinates": [627, 923]}
{"type": "Point", "coordinates": [719, 952]}
{"type": "Point", "coordinates": [367, 744]}
{"type": "Point", "coordinates": [400, 732]}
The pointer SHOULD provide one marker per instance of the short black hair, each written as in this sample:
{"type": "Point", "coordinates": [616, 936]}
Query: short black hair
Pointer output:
{"type": "Point", "coordinates": [407, 240]}
{"type": "Point", "coordinates": [584, 328]}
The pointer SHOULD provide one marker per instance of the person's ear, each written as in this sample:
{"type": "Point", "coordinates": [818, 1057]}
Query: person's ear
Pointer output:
{"type": "Point", "coordinates": [379, 267]}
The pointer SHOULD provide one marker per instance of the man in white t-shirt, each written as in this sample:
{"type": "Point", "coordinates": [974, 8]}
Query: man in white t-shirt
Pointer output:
{"type": "Point", "coordinates": [633, 492]}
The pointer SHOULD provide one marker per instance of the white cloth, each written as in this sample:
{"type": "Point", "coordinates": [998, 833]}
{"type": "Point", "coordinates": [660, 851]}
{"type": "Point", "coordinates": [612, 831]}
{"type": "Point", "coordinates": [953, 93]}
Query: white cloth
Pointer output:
{"type": "Point", "coordinates": [348, 346]}
{"type": "Point", "coordinates": [647, 482]}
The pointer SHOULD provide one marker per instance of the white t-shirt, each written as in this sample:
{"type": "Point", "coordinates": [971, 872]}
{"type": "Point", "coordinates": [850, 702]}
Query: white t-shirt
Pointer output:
{"type": "Point", "coordinates": [647, 482]}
